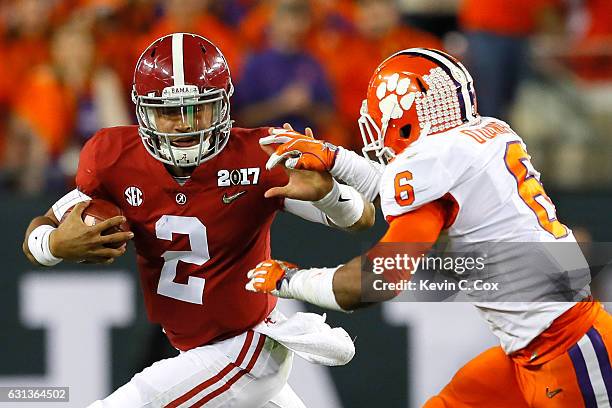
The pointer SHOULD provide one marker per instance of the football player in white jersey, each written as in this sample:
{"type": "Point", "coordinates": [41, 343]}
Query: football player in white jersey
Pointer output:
{"type": "Point", "coordinates": [445, 168]}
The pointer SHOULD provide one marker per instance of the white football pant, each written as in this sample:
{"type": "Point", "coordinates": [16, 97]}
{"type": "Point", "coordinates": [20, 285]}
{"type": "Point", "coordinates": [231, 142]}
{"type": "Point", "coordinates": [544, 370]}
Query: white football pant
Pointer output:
{"type": "Point", "coordinates": [246, 371]}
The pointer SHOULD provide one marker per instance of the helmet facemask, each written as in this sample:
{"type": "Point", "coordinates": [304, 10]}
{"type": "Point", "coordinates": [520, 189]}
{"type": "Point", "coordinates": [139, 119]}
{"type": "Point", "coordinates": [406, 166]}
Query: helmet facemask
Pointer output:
{"type": "Point", "coordinates": [373, 137]}
{"type": "Point", "coordinates": [203, 117]}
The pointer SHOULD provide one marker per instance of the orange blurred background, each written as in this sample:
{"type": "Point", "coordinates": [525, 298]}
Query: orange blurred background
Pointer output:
{"type": "Point", "coordinates": [67, 68]}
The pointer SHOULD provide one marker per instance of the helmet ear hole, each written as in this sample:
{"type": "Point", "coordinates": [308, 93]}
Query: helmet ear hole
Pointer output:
{"type": "Point", "coordinates": [405, 131]}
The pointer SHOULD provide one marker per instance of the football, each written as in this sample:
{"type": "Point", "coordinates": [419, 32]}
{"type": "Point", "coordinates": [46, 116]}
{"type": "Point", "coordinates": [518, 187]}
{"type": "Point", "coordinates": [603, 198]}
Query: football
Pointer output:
{"type": "Point", "coordinates": [100, 210]}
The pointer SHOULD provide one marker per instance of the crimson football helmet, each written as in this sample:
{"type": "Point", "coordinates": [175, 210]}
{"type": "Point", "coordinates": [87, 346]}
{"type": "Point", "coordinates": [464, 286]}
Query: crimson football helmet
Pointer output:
{"type": "Point", "coordinates": [414, 93]}
{"type": "Point", "coordinates": [183, 79]}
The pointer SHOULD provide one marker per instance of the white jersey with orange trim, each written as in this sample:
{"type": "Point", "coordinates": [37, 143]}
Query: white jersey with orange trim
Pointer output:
{"type": "Point", "coordinates": [485, 169]}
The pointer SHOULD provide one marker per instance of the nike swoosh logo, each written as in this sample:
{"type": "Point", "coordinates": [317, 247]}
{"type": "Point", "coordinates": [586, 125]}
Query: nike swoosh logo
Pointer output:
{"type": "Point", "coordinates": [341, 200]}
{"type": "Point", "coordinates": [228, 199]}
{"type": "Point", "coordinates": [551, 394]}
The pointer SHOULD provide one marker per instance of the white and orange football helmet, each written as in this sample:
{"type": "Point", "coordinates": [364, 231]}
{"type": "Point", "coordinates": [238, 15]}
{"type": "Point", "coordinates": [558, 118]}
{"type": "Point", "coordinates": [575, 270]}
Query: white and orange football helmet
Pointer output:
{"type": "Point", "coordinates": [414, 93]}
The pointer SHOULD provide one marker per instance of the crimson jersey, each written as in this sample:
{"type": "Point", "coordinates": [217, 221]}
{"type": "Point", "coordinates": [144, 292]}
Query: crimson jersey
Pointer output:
{"type": "Point", "coordinates": [194, 242]}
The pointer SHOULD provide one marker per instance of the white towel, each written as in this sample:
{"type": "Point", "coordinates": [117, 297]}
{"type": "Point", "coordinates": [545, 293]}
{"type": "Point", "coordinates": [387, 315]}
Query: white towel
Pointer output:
{"type": "Point", "coordinates": [309, 337]}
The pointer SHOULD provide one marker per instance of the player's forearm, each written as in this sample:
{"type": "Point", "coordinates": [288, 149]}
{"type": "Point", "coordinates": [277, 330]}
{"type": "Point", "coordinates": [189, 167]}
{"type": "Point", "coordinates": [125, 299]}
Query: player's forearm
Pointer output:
{"type": "Point", "coordinates": [368, 217]}
{"type": "Point", "coordinates": [314, 286]}
{"type": "Point", "coordinates": [349, 283]}
{"type": "Point", "coordinates": [352, 213]}
{"type": "Point", "coordinates": [346, 208]}
{"type": "Point", "coordinates": [338, 288]}
{"type": "Point", "coordinates": [35, 223]}
{"type": "Point", "coordinates": [358, 172]}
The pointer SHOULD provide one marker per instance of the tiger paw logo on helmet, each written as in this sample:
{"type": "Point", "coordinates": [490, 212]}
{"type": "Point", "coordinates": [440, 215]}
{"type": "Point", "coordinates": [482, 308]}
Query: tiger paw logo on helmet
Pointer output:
{"type": "Point", "coordinates": [415, 92]}
{"type": "Point", "coordinates": [394, 98]}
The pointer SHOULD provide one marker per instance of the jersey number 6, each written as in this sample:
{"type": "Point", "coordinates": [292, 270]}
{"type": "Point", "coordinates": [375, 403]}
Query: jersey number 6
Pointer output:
{"type": "Point", "coordinates": [193, 291]}
{"type": "Point", "coordinates": [531, 190]}
{"type": "Point", "coordinates": [404, 193]}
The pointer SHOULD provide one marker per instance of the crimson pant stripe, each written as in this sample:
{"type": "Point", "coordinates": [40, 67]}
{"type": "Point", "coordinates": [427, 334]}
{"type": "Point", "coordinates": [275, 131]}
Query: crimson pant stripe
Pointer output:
{"type": "Point", "coordinates": [603, 358]}
{"type": "Point", "coordinates": [582, 374]}
{"type": "Point", "coordinates": [239, 375]}
{"type": "Point", "coordinates": [202, 386]}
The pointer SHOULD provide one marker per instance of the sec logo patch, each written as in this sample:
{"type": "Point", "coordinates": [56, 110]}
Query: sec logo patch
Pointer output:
{"type": "Point", "coordinates": [134, 196]}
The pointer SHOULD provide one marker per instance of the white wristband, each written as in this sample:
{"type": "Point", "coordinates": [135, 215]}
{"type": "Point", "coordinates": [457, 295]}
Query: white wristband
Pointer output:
{"type": "Point", "coordinates": [38, 244]}
{"type": "Point", "coordinates": [313, 285]}
{"type": "Point", "coordinates": [343, 205]}
{"type": "Point", "coordinates": [358, 172]}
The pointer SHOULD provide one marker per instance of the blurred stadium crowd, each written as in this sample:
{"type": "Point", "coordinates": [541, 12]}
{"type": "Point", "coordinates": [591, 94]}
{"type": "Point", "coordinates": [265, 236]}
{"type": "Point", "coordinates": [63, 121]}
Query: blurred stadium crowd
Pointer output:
{"type": "Point", "coordinates": [543, 65]}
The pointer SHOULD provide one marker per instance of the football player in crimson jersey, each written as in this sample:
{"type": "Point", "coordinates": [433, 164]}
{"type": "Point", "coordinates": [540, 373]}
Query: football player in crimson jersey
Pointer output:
{"type": "Point", "coordinates": [190, 186]}
{"type": "Point", "coordinates": [443, 167]}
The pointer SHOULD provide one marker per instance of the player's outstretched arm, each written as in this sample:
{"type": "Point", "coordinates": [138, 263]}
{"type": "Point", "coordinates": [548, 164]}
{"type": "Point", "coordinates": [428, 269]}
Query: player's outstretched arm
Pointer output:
{"type": "Point", "coordinates": [338, 288]}
{"type": "Point", "coordinates": [351, 286]}
{"type": "Point", "coordinates": [47, 242]}
{"type": "Point", "coordinates": [47, 220]}
{"type": "Point", "coordinates": [304, 152]}
{"type": "Point", "coordinates": [337, 205]}
{"type": "Point", "coordinates": [314, 195]}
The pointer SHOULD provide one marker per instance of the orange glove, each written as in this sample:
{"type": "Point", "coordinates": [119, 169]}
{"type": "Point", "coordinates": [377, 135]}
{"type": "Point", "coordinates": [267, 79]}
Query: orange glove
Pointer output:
{"type": "Point", "coordinates": [268, 276]}
{"type": "Point", "coordinates": [302, 152]}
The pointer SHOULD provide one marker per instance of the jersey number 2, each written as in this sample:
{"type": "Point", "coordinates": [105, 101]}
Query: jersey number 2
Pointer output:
{"type": "Point", "coordinates": [530, 189]}
{"type": "Point", "coordinates": [193, 290]}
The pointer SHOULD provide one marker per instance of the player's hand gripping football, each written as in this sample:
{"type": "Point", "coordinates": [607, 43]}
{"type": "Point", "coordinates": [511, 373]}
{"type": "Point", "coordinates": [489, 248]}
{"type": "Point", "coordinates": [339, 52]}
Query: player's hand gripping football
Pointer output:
{"type": "Point", "coordinates": [271, 276]}
{"type": "Point", "coordinates": [75, 241]}
{"type": "Point", "coordinates": [303, 185]}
